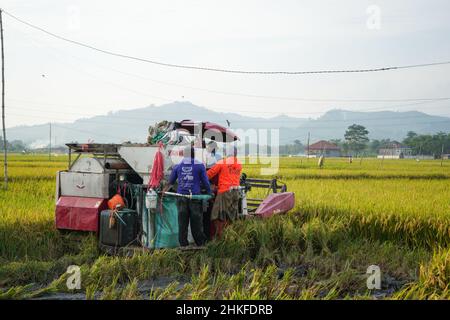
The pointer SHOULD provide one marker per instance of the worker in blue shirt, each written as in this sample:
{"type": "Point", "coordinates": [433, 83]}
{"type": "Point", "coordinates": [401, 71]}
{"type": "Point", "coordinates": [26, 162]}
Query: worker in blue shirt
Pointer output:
{"type": "Point", "coordinates": [191, 176]}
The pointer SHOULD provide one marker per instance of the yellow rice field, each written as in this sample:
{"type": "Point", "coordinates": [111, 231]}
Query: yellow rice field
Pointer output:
{"type": "Point", "coordinates": [393, 213]}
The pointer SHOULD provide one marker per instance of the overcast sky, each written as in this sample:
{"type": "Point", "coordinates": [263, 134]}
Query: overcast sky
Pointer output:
{"type": "Point", "coordinates": [51, 80]}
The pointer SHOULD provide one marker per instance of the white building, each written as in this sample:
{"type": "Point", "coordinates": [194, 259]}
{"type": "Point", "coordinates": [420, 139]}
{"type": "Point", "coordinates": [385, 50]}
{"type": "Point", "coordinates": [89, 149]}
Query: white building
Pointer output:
{"type": "Point", "coordinates": [395, 150]}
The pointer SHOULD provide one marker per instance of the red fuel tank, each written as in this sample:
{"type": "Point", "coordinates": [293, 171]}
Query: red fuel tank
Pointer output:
{"type": "Point", "coordinates": [77, 213]}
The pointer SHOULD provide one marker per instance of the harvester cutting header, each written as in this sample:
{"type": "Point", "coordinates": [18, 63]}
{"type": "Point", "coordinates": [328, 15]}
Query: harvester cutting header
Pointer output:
{"type": "Point", "coordinates": [181, 187]}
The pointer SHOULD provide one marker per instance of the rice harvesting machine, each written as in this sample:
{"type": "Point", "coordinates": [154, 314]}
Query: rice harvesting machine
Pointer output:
{"type": "Point", "coordinates": [87, 192]}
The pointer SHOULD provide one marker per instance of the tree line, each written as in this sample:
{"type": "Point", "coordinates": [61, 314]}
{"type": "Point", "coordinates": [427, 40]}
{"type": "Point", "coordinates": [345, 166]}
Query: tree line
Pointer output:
{"type": "Point", "coordinates": [357, 142]}
{"type": "Point", "coordinates": [14, 145]}
{"type": "Point", "coordinates": [428, 144]}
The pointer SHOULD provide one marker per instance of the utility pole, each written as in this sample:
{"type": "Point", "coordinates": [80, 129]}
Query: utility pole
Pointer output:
{"type": "Point", "coordinates": [50, 142]}
{"type": "Point", "coordinates": [307, 148]}
{"type": "Point", "coordinates": [3, 103]}
{"type": "Point", "coordinates": [442, 154]}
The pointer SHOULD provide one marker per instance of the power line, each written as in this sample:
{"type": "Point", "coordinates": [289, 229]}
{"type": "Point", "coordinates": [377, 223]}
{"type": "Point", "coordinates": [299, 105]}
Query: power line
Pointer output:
{"type": "Point", "coordinates": [156, 118]}
{"type": "Point", "coordinates": [417, 101]}
{"type": "Point", "coordinates": [290, 138]}
{"type": "Point", "coordinates": [384, 108]}
{"type": "Point", "coordinates": [88, 132]}
{"type": "Point", "coordinates": [50, 142]}
{"type": "Point", "coordinates": [398, 122]}
{"type": "Point", "coordinates": [420, 100]}
{"type": "Point", "coordinates": [240, 94]}
{"type": "Point", "coordinates": [369, 126]}
{"type": "Point", "coordinates": [71, 66]}
{"type": "Point", "coordinates": [223, 70]}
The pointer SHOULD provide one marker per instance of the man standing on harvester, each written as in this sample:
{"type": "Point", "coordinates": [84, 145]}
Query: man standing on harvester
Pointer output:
{"type": "Point", "coordinates": [226, 204]}
{"type": "Point", "coordinates": [191, 176]}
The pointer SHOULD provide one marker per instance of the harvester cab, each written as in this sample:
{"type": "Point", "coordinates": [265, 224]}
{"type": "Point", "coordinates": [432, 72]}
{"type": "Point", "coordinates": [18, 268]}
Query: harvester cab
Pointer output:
{"type": "Point", "coordinates": [110, 189]}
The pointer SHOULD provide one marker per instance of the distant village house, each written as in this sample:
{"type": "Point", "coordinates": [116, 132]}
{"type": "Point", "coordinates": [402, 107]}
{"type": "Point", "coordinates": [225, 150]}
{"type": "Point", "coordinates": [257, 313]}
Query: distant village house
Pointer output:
{"type": "Point", "coordinates": [395, 150]}
{"type": "Point", "coordinates": [325, 148]}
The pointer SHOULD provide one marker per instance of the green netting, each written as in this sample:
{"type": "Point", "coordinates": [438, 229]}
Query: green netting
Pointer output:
{"type": "Point", "coordinates": [161, 230]}
{"type": "Point", "coordinates": [166, 224]}
{"type": "Point", "coordinates": [160, 136]}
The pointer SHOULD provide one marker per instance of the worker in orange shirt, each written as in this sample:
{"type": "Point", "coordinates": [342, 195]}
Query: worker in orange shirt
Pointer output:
{"type": "Point", "coordinates": [226, 205]}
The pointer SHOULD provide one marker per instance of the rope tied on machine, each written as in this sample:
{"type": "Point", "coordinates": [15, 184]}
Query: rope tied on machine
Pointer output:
{"type": "Point", "coordinates": [113, 216]}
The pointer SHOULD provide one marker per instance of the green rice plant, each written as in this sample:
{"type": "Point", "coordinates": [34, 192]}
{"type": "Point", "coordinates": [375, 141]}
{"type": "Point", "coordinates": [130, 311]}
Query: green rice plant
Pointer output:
{"type": "Point", "coordinates": [16, 292]}
{"type": "Point", "coordinates": [169, 292]}
{"type": "Point", "coordinates": [434, 279]}
{"type": "Point", "coordinates": [131, 292]}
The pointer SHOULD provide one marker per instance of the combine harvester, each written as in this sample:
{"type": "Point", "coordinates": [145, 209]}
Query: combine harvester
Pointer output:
{"type": "Point", "coordinates": [106, 188]}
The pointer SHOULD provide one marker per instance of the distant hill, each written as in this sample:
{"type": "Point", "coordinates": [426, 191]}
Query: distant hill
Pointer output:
{"type": "Point", "coordinates": [132, 125]}
{"type": "Point", "coordinates": [381, 125]}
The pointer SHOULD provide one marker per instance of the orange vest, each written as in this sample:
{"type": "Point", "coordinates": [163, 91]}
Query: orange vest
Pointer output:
{"type": "Point", "coordinates": [228, 171]}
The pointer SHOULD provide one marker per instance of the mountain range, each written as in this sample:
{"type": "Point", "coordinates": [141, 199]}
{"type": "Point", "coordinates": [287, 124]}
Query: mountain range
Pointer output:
{"type": "Point", "coordinates": [132, 125]}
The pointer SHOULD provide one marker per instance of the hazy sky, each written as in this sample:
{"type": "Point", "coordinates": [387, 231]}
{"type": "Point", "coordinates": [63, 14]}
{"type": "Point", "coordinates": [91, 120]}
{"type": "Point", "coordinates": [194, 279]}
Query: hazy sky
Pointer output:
{"type": "Point", "coordinates": [51, 80]}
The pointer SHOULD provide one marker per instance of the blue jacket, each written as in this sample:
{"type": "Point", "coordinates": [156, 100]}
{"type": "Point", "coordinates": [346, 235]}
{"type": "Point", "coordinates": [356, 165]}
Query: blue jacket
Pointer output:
{"type": "Point", "coordinates": [190, 174]}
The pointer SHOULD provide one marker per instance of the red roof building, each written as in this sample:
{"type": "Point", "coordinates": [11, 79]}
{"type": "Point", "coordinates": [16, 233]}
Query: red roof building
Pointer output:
{"type": "Point", "coordinates": [324, 148]}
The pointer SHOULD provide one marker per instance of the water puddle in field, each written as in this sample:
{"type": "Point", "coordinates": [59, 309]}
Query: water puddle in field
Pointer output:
{"type": "Point", "coordinates": [144, 289]}
{"type": "Point", "coordinates": [62, 296]}
{"type": "Point", "coordinates": [389, 286]}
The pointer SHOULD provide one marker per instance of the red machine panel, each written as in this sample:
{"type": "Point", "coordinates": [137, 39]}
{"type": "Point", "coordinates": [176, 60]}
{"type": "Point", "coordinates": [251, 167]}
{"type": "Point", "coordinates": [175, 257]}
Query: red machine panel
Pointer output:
{"type": "Point", "coordinates": [77, 213]}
